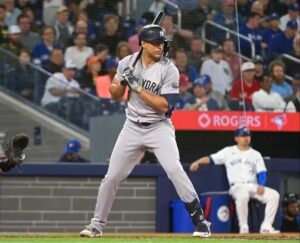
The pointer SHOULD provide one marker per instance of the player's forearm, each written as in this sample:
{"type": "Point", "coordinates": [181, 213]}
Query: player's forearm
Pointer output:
{"type": "Point", "coordinates": [117, 90]}
{"type": "Point", "coordinates": [156, 102]}
{"type": "Point", "coordinates": [203, 160]}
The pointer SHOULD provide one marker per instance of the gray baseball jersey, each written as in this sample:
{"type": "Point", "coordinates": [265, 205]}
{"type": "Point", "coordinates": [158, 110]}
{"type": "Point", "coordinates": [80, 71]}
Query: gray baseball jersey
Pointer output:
{"type": "Point", "coordinates": [159, 135]}
{"type": "Point", "coordinates": [160, 78]}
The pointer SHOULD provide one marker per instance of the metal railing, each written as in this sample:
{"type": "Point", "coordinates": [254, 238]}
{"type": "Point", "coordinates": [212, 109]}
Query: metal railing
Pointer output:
{"type": "Point", "coordinates": [131, 7]}
{"type": "Point", "coordinates": [178, 10]}
{"type": "Point", "coordinates": [228, 32]}
{"type": "Point", "coordinates": [293, 59]}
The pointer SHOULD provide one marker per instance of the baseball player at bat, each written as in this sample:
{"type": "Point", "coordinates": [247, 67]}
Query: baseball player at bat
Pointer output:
{"type": "Point", "coordinates": [246, 174]}
{"type": "Point", "coordinates": [154, 88]}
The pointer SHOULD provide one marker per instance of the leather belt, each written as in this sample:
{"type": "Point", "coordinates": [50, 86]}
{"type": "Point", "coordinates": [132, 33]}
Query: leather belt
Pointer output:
{"type": "Point", "coordinates": [145, 124]}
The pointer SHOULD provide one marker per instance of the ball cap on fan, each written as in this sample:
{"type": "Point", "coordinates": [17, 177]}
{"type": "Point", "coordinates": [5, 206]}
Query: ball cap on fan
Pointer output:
{"type": "Point", "coordinates": [242, 132]}
{"type": "Point", "coordinates": [72, 146]}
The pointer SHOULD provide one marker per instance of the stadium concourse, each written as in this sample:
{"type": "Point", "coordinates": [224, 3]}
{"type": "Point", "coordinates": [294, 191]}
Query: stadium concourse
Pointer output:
{"type": "Point", "coordinates": [238, 64]}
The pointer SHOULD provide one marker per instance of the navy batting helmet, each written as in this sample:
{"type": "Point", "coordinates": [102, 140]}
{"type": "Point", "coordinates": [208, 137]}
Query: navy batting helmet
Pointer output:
{"type": "Point", "coordinates": [153, 33]}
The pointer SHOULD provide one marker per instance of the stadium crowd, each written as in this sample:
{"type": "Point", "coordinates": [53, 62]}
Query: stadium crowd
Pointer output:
{"type": "Point", "coordinates": [81, 42]}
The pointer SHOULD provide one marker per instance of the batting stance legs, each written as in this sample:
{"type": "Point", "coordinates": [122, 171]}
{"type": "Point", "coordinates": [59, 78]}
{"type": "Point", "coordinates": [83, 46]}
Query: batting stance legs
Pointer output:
{"type": "Point", "coordinates": [127, 153]}
{"type": "Point", "coordinates": [242, 193]}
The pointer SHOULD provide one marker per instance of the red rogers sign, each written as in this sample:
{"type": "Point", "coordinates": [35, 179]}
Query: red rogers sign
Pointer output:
{"type": "Point", "coordinates": [230, 120]}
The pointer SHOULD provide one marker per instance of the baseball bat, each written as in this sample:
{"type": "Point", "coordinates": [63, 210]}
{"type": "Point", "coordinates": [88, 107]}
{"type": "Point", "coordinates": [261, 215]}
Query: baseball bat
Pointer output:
{"type": "Point", "coordinates": [157, 21]}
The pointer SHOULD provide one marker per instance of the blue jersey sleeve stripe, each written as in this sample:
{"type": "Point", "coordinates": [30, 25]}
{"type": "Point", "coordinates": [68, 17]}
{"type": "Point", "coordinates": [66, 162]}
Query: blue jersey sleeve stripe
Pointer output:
{"type": "Point", "coordinates": [262, 178]}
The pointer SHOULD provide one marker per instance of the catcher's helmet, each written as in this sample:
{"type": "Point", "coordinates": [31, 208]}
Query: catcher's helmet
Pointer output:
{"type": "Point", "coordinates": [153, 33]}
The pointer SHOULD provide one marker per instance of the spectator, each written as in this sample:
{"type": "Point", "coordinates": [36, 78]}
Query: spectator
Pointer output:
{"type": "Point", "coordinates": [79, 52]}
{"type": "Point", "coordinates": [60, 85]}
{"type": "Point", "coordinates": [35, 25]}
{"type": "Point", "coordinates": [216, 95]}
{"type": "Point", "coordinates": [259, 69]}
{"type": "Point", "coordinates": [122, 50]}
{"type": "Point", "coordinates": [13, 45]}
{"type": "Point", "coordinates": [283, 42]}
{"type": "Point", "coordinates": [90, 74]}
{"type": "Point", "coordinates": [101, 51]}
{"type": "Point", "coordinates": [56, 61]}
{"type": "Point", "coordinates": [80, 27]}
{"type": "Point", "coordinates": [196, 17]}
{"type": "Point", "coordinates": [103, 82]}
{"type": "Point", "coordinates": [55, 66]}
{"type": "Point", "coordinates": [242, 7]}
{"type": "Point", "coordinates": [50, 8]}
{"type": "Point", "coordinates": [293, 14]}
{"type": "Point", "coordinates": [23, 4]}
{"type": "Point", "coordinates": [291, 67]}
{"type": "Point", "coordinates": [296, 92]}
{"type": "Point", "coordinates": [97, 9]}
{"type": "Point", "coordinates": [247, 177]}
{"type": "Point", "coordinates": [196, 55]}
{"type": "Point", "coordinates": [242, 90]}
{"type": "Point", "coordinates": [200, 100]}
{"type": "Point", "coordinates": [234, 61]}
{"type": "Point", "coordinates": [12, 12]}
{"type": "Point", "coordinates": [291, 218]}
{"type": "Point", "coordinates": [178, 36]}
{"type": "Point", "coordinates": [272, 30]}
{"type": "Point", "coordinates": [21, 77]}
{"type": "Point", "coordinates": [280, 86]}
{"type": "Point", "coordinates": [258, 8]}
{"type": "Point", "coordinates": [3, 25]}
{"type": "Point", "coordinates": [182, 65]}
{"type": "Point", "coordinates": [71, 152]}
{"type": "Point", "coordinates": [266, 7]}
{"type": "Point", "coordinates": [28, 39]}
{"type": "Point", "coordinates": [281, 6]}
{"type": "Point", "coordinates": [252, 31]}
{"type": "Point", "coordinates": [42, 51]}
{"type": "Point", "coordinates": [111, 35]}
{"type": "Point", "coordinates": [63, 28]}
{"type": "Point", "coordinates": [226, 17]}
{"type": "Point", "coordinates": [266, 100]}
{"type": "Point", "coordinates": [133, 41]}
{"type": "Point", "coordinates": [184, 91]}
{"type": "Point", "coordinates": [218, 70]}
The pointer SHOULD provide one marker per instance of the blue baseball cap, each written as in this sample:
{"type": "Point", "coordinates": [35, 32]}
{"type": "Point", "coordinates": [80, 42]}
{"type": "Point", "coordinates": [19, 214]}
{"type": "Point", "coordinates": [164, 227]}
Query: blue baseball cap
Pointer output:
{"type": "Point", "coordinates": [294, 7]}
{"type": "Point", "coordinates": [141, 22]}
{"type": "Point", "coordinates": [72, 146]}
{"type": "Point", "coordinates": [292, 24]}
{"type": "Point", "coordinates": [242, 132]}
{"type": "Point", "coordinates": [111, 63]}
{"type": "Point", "coordinates": [203, 81]}
{"type": "Point", "coordinates": [273, 16]}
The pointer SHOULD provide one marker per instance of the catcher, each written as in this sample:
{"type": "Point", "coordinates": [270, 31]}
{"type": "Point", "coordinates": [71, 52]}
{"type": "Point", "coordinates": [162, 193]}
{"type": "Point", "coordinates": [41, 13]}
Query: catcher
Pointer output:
{"type": "Point", "coordinates": [14, 152]}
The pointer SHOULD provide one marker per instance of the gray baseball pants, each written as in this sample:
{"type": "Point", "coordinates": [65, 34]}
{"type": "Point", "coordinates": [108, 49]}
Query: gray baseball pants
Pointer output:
{"type": "Point", "coordinates": [128, 151]}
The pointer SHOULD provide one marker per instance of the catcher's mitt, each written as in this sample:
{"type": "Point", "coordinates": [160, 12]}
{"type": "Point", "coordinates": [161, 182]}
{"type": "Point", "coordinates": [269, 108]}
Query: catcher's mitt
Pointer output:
{"type": "Point", "coordinates": [14, 150]}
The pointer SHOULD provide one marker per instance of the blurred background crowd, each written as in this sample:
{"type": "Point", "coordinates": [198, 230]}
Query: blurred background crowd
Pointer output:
{"type": "Point", "coordinates": [231, 55]}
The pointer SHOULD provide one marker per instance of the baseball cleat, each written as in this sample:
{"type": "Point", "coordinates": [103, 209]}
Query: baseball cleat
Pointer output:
{"type": "Point", "coordinates": [202, 229]}
{"type": "Point", "coordinates": [244, 229]}
{"type": "Point", "coordinates": [270, 230]}
{"type": "Point", "coordinates": [90, 232]}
